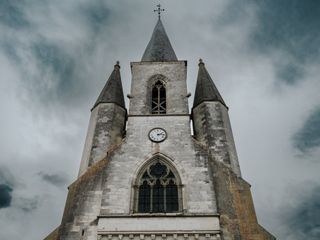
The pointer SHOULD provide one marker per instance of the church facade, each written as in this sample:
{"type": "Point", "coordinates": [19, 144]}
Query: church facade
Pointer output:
{"type": "Point", "coordinates": [144, 175]}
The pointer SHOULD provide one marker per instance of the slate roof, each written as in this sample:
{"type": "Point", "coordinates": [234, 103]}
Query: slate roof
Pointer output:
{"type": "Point", "coordinates": [159, 48]}
{"type": "Point", "coordinates": [112, 91]}
{"type": "Point", "coordinates": [205, 89]}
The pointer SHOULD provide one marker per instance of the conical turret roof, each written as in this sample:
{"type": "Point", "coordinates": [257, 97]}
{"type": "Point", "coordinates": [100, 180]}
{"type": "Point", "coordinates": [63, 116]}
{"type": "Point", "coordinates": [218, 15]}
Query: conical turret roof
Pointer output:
{"type": "Point", "coordinates": [159, 48]}
{"type": "Point", "coordinates": [205, 89]}
{"type": "Point", "coordinates": [112, 91]}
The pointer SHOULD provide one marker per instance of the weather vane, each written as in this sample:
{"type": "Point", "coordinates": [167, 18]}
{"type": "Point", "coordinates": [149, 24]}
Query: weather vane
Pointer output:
{"type": "Point", "coordinates": [159, 10]}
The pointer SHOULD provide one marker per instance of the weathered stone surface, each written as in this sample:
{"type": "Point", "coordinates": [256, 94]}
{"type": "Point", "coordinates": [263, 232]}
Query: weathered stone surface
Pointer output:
{"type": "Point", "coordinates": [175, 74]}
{"type": "Point", "coordinates": [234, 202]}
{"type": "Point", "coordinates": [212, 128]}
{"type": "Point", "coordinates": [83, 205]}
{"type": "Point", "coordinates": [137, 150]}
{"type": "Point", "coordinates": [106, 128]}
{"type": "Point", "coordinates": [54, 235]}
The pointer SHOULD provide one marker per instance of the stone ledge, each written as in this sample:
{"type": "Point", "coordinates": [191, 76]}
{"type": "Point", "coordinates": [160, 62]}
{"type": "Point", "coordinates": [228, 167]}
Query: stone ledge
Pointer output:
{"type": "Point", "coordinates": [159, 224]}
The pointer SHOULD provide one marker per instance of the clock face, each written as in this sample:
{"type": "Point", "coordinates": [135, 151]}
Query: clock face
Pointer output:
{"type": "Point", "coordinates": [157, 135]}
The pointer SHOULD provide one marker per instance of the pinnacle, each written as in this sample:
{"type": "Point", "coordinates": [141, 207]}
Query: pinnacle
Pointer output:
{"type": "Point", "coordinates": [205, 89]}
{"type": "Point", "coordinates": [112, 91]}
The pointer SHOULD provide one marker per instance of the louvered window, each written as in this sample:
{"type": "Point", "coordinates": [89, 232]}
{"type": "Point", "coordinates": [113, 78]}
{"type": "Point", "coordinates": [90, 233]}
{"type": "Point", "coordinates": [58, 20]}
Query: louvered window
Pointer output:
{"type": "Point", "coordinates": [158, 102]}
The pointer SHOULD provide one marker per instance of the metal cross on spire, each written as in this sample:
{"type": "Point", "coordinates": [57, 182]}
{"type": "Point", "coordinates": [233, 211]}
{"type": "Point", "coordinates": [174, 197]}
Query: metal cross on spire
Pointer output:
{"type": "Point", "coordinates": [159, 10]}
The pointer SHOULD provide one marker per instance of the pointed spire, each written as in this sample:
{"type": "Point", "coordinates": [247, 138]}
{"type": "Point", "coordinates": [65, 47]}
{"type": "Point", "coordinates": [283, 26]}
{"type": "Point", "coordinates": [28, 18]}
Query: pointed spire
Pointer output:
{"type": "Point", "coordinates": [112, 91]}
{"type": "Point", "coordinates": [159, 48]}
{"type": "Point", "coordinates": [205, 89]}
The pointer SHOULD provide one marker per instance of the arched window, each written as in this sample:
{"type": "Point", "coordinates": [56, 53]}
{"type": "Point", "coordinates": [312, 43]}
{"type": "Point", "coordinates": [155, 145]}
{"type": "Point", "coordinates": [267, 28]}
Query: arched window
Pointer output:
{"type": "Point", "coordinates": [158, 189]}
{"type": "Point", "coordinates": [158, 102]}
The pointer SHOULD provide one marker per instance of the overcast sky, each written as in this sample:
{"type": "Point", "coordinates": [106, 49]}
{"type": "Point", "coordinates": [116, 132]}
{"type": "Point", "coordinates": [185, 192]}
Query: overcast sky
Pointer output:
{"type": "Point", "coordinates": [55, 57]}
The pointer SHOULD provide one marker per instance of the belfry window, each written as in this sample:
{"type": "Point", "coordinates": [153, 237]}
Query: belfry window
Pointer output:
{"type": "Point", "coordinates": [158, 102]}
{"type": "Point", "coordinates": [157, 190]}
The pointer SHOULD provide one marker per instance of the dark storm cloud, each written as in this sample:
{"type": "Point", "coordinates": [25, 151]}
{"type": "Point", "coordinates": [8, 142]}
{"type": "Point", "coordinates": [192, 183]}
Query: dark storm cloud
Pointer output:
{"type": "Point", "coordinates": [289, 28]}
{"type": "Point", "coordinates": [5, 196]}
{"type": "Point", "coordinates": [60, 71]}
{"type": "Point", "coordinates": [290, 25]}
{"type": "Point", "coordinates": [289, 73]}
{"type": "Point", "coordinates": [56, 179]}
{"type": "Point", "coordinates": [12, 14]}
{"type": "Point", "coordinates": [53, 63]}
{"type": "Point", "coordinates": [308, 136]}
{"type": "Point", "coordinates": [96, 15]}
{"type": "Point", "coordinates": [304, 219]}
{"type": "Point", "coordinates": [7, 183]}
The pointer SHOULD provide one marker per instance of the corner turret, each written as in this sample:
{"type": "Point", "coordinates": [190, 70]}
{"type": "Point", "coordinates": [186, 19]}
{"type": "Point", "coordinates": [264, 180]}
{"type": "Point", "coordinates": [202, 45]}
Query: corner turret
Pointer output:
{"type": "Point", "coordinates": [112, 91]}
{"type": "Point", "coordinates": [211, 122]}
{"type": "Point", "coordinates": [205, 89]}
{"type": "Point", "coordinates": [107, 121]}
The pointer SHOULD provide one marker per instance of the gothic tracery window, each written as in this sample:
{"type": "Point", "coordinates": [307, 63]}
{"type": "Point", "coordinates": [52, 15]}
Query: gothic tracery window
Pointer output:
{"type": "Point", "coordinates": [158, 102]}
{"type": "Point", "coordinates": [158, 190]}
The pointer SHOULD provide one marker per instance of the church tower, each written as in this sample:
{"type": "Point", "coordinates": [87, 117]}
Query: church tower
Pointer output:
{"type": "Point", "coordinates": [144, 176]}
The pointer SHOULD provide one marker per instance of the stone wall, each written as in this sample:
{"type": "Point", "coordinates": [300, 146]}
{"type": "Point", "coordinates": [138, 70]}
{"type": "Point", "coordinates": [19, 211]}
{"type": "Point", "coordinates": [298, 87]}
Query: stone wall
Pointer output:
{"type": "Point", "coordinates": [175, 74]}
{"type": "Point", "coordinates": [178, 149]}
{"type": "Point", "coordinates": [106, 128]}
{"type": "Point", "coordinates": [83, 205]}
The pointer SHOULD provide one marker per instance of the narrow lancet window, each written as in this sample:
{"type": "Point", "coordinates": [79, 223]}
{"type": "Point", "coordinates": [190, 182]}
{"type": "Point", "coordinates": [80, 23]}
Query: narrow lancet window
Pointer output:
{"type": "Point", "coordinates": [158, 190]}
{"type": "Point", "coordinates": [158, 104]}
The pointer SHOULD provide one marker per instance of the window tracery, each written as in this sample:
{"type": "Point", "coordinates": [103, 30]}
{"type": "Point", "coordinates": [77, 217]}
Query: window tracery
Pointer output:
{"type": "Point", "coordinates": [158, 190]}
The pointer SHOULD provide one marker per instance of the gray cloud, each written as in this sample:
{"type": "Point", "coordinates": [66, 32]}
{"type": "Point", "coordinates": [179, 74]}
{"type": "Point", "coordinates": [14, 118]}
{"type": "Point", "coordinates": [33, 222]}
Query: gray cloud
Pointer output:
{"type": "Point", "coordinates": [58, 67]}
{"type": "Point", "coordinates": [286, 30]}
{"type": "Point", "coordinates": [12, 14]}
{"type": "Point", "coordinates": [56, 179]}
{"type": "Point", "coordinates": [96, 15]}
{"type": "Point", "coordinates": [288, 25]}
{"type": "Point", "coordinates": [60, 72]}
{"type": "Point", "coordinates": [27, 204]}
{"type": "Point", "coordinates": [290, 28]}
{"type": "Point", "coordinates": [308, 137]}
{"type": "Point", "coordinates": [289, 73]}
{"type": "Point", "coordinates": [303, 220]}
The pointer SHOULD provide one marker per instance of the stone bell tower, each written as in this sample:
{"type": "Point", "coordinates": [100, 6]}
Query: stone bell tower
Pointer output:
{"type": "Point", "coordinates": [143, 176]}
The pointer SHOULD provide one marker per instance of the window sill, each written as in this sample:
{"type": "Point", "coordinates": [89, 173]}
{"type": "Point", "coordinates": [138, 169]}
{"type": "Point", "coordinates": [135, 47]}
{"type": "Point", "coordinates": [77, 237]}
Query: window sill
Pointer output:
{"type": "Point", "coordinates": [157, 214]}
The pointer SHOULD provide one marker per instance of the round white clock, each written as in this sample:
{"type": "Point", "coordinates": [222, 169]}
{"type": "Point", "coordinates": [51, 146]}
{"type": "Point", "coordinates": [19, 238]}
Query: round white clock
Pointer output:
{"type": "Point", "coordinates": [157, 135]}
